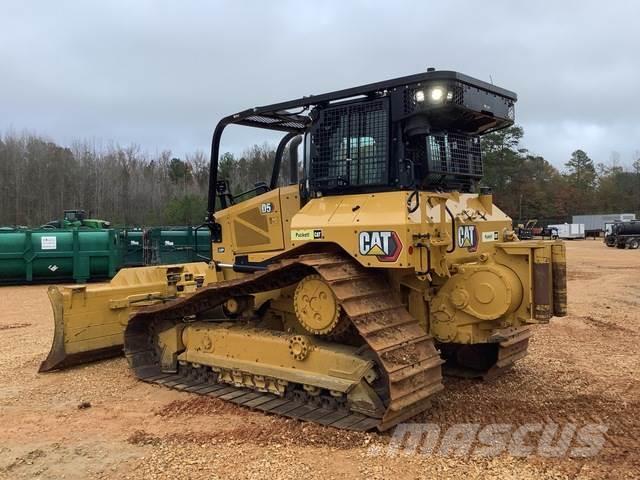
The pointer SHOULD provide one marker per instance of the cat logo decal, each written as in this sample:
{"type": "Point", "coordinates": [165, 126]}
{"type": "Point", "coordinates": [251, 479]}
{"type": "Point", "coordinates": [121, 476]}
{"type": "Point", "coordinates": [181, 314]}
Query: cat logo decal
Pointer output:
{"type": "Point", "coordinates": [467, 237]}
{"type": "Point", "coordinates": [385, 245]}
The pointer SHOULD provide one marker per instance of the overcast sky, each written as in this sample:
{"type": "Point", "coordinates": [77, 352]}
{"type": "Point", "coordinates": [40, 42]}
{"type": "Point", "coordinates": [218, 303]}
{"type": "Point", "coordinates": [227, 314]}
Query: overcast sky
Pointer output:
{"type": "Point", "coordinates": [160, 74]}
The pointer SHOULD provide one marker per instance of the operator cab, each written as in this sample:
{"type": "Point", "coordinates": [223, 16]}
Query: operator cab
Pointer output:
{"type": "Point", "coordinates": [419, 132]}
{"type": "Point", "coordinates": [75, 215]}
{"type": "Point", "coordinates": [406, 134]}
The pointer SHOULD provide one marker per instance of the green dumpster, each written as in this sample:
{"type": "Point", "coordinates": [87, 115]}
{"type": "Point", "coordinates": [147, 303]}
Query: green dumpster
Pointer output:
{"type": "Point", "coordinates": [171, 245]}
{"type": "Point", "coordinates": [49, 255]}
{"type": "Point", "coordinates": [132, 242]}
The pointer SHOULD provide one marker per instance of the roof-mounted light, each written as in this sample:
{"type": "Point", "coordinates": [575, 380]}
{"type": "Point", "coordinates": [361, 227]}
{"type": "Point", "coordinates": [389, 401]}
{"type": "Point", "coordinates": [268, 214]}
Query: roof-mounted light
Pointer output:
{"type": "Point", "coordinates": [436, 94]}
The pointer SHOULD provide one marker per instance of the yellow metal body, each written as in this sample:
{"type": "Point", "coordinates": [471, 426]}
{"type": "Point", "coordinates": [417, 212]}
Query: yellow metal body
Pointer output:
{"type": "Point", "coordinates": [249, 231]}
{"type": "Point", "coordinates": [334, 367]}
{"type": "Point", "coordinates": [452, 258]}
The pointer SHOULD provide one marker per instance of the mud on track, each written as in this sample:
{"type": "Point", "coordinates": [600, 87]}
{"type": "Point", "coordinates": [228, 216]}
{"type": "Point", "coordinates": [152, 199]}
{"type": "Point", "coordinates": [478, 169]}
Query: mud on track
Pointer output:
{"type": "Point", "coordinates": [581, 369]}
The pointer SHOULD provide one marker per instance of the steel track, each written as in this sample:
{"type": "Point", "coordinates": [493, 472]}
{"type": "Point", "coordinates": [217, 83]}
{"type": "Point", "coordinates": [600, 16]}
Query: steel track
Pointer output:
{"type": "Point", "coordinates": [407, 357]}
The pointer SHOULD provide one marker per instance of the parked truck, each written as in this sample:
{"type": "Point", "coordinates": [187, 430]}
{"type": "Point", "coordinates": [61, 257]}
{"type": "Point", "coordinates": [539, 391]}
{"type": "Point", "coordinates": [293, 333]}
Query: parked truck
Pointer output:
{"type": "Point", "coordinates": [594, 225]}
{"type": "Point", "coordinates": [623, 235]}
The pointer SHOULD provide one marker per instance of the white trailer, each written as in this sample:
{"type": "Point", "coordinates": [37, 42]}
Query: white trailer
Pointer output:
{"type": "Point", "coordinates": [569, 231]}
{"type": "Point", "coordinates": [594, 225]}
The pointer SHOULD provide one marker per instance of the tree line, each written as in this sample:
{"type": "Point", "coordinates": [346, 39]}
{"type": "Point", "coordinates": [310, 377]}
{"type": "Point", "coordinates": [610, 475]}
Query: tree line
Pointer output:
{"type": "Point", "coordinates": [527, 186]}
{"type": "Point", "coordinates": [39, 179]}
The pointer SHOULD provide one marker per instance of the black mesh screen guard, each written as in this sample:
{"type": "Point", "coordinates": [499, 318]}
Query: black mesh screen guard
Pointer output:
{"type": "Point", "coordinates": [350, 146]}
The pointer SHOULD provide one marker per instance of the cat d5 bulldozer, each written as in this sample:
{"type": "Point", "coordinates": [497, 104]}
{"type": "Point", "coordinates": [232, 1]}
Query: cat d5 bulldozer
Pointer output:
{"type": "Point", "coordinates": [338, 297]}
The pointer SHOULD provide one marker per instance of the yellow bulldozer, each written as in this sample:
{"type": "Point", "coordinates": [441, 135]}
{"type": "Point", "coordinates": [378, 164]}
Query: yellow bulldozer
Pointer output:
{"type": "Point", "coordinates": [339, 297]}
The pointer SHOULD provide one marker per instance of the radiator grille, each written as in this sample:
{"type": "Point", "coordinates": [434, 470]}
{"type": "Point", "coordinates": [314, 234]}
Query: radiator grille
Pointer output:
{"type": "Point", "coordinates": [454, 153]}
{"type": "Point", "coordinates": [447, 154]}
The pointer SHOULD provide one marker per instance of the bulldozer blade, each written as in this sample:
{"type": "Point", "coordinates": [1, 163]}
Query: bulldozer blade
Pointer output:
{"type": "Point", "coordinates": [89, 320]}
{"type": "Point", "coordinates": [65, 352]}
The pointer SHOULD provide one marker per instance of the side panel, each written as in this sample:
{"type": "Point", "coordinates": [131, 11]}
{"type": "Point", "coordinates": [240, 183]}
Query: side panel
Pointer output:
{"type": "Point", "coordinates": [290, 204]}
{"type": "Point", "coordinates": [268, 237]}
{"type": "Point", "coordinates": [372, 228]}
{"type": "Point", "coordinates": [389, 230]}
{"type": "Point", "coordinates": [254, 225]}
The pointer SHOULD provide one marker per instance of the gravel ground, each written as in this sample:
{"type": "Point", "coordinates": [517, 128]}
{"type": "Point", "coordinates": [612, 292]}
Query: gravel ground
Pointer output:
{"type": "Point", "coordinates": [581, 369]}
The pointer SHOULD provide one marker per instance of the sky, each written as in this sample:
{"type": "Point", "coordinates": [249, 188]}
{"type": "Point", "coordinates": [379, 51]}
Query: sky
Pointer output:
{"type": "Point", "coordinates": [159, 74]}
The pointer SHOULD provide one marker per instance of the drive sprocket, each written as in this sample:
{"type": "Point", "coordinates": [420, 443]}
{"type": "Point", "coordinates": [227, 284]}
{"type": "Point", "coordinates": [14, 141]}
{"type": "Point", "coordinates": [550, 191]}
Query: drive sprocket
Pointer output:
{"type": "Point", "coordinates": [316, 306]}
